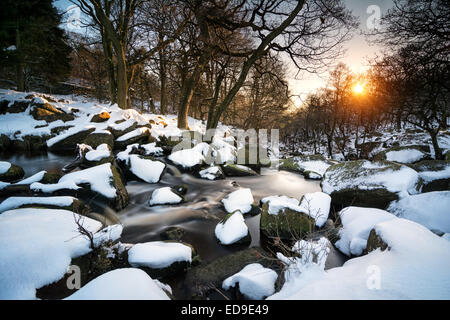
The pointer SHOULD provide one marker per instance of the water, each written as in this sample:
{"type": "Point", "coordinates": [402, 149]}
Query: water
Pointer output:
{"type": "Point", "coordinates": [203, 210]}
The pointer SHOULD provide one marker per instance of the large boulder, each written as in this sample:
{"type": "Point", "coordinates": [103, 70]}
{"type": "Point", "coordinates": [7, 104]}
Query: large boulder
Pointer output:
{"type": "Point", "coordinates": [123, 127]}
{"type": "Point", "coordinates": [369, 184]}
{"type": "Point", "coordinates": [41, 109]}
{"type": "Point", "coordinates": [202, 279]}
{"type": "Point", "coordinates": [237, 170]}
{"type": "Point", "coordinates": [30, 143]}
{"type": "Point", "coordinates": [97, 138]}
{"type": "Point", "coordinates": [101, 117]}
{"type": "Point", "coordinates": [16, 106]}
{"type": "Point", "coordinates": [10, 172]}
{"type": "Point", "coordinates": [311, 166]}
{"type": "Point", "coordinates": [162, 258]}
{"type": "Point", "coordinates": [68, 140]}
{"type": "Point", "coordinates": [66, 203]}
{"type": "Point", "coordinates": [286, 222]}
{"type": "Point", "coordinates": [435, 174]}
{"type": "Point", "coordinates": [140, 135]}
{"type": "Point", "coordinates": [404, 154]}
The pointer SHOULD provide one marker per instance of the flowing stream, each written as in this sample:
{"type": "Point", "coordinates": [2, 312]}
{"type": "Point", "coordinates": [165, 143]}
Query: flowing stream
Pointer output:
{"type": "Point", "coordinates": [202, 211]}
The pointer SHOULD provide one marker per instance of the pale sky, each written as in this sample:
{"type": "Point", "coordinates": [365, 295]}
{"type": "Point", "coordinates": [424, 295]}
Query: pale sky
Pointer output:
{"type": "Point", "coordinates": [357, 53]}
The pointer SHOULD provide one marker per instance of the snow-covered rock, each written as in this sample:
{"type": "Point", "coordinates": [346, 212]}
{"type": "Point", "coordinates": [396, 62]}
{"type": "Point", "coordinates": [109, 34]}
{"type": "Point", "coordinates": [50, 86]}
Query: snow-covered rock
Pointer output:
{"type": "Point", "coordinates": [59, 202]}
{"type": "Point", "coordinates": [10, 172]}
{"type": "Point", "coordinates": [187, 158]}
{"type": "Point", "coordinates": [165, 195]}
{"type": "Point", "coordinates": [121, 284]}
{"type": "Point", "coordinates": [372, 184]}
{"type": "Point", "coordinates": [212, 173]}
{"type": "Point", "coordinates": [232, 229]}
{"type": "Point", "coordinates": [435, 174]}
{"type": "Point", "coordinates": [240, 200]}
{"type": "Point", "coordinates": [357, 223]}
{"type": "Point", "coordinates": [37, 248]}
{"type": "Point", "coordinates": [159, 254]}
{"type": "Point", "coordinates": [101, 152]}
{"type": "Point", "coordinates": [317, 206]}
{"type": "Point", "coordinates": [312, 166]}
{"type": "Point", "coordinates": [103, 179]}
{"type": "Point", "coordinates": [416, 266]}
{"type": "Point", "coordinates": [430, 209]}
{"type": "Point", "coordinates": [255, 281]}
{"type": "Point", "coordinates": [146, 169]}
{"type": "Point", "coordinates": [404, 154]}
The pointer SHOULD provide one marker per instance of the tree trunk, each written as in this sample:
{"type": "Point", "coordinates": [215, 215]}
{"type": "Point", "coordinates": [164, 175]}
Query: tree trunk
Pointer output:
{"type": "Point", "coordinates": [122, 80]}
{"type": "Point", "coordinates": [20, 79]}
{"type": "Point", "coordinates": [437, 150]}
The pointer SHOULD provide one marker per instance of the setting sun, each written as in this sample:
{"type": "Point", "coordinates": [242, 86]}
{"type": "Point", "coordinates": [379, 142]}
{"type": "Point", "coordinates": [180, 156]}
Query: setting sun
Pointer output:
{"type": "Point", "coordinates": [358, 88]}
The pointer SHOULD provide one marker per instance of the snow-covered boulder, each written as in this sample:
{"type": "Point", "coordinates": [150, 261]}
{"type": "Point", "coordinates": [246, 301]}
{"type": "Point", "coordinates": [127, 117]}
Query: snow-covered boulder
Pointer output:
{"type": "Point", "coordinates": [369, 184]}
{"type": "Point", "coordinates": [232, 229]}
{"type": "Point", "coordinates": [404, 154]}
{"type": "Point", "coordinates": [237, 170]}
{"type": "Point", "coordinates": [430, 209]}
{"type": "Point", "coordinates": [162, 258]}
{"type": "Point", "coordinates": [37, 248]}
{"type": "Point", "coordinates": [121, 284]}
{"type": "Point", "coordinates": [139, 135]}
{"type": "Point", "coordinates": [255, 282]}
{"type": "Point", "coordinates": [357, 223]}
{"type": "Point", "coordinates": [435, 174]}
{"type": "Point", "coordinates": [190, 159]}
{"type": "Point", "coordinates": [311, 166]}
{"type": "Point", "coordinates": [99, 137]}
{"type": "Point", "coordinates": [123, 127]}
{"type": "Point", "coordinates": [68, 139]}
{"type": "Point", "coordinates": [239, 200]}
{"type": "Point", "coordinates": [146, 169]}
{"type": "Point", "coordinates": [287, 218]}
{"type": "Point", "coordinates": [66, 203]}
{"type": "Point", "coordinates": [103, 180]}
{"type": "Point", "coordinates": [199, 279]}
{"type": "Point", "coordinates": [165, 195]}
{"type": "Point", "coordinates": [212, 173]}
{"type": "Point", "coordinates": [415, 266]}
{"type": "Point", "coordinates": [10, 172]}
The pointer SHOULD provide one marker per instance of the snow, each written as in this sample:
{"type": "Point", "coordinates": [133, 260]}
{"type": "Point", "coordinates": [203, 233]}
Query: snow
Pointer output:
{"type": "Point", "coordinates": [3, 184]}
{"type": "Point", "coordinates": [305, 268]}
{"type": "Point", "coordinates": [125, 155]}
{"type": "Point", "coordinates": [187, 158]}
{"type": "Point", "coordinates": [16, 202]}
{"type": "Point", "coordinates": [405, 155]}
{"type": "Point", "coordinates": [123, 125]}
{"type": "Point", "coordinates": [415, 267]}
{"type": "Point", "coordinates": [148, 170]}
{"type": "Point", "coordinates": [34, 178]}
{"type": "Point", "coordinates": [372, 175]}
{"type": "Point", "coordinates": [232, 230]}
{"type": "Point", "coordinates": [152, 150]}
{"type": "Point", "coordinates": [4, 166]}
{"type": "Point", "coordinates": [357, 223]}
{"type": "Point", "coordinates": [98, 154]}
{"type": "Point", "coordinates": [277, 203]}
{"type": "Point", "coordinates": [164, 195]}
{"type": "Point", "coordinates": [316, 166]}
{"type": "Point", "coordinates": [37, 248]}
{"type": "Point", "coordinates": [98, 177]}
{"type": "Point", "coordinates": [109, 233]}
{"type": "Point", "coordinates": [255, 281]}
{"type": "Point", "coordinates": [209, 173]}
{"type": "Point", "coordinates": [135, 133]}
{"type": "Point", "coordinates": [430, 209]}
{"type": "Point", "coordinates": [429, 176]}
{"type": "Point", "coordinates": [158, 254]}
{"type": "Point", "coordinates": [241, 200]}
{"type": "Point", "coordinates": [317, 206]}
{"type": "Point", "coordinates": [121, 284]}
{"type": "Point", "coordinates": [67, 133]}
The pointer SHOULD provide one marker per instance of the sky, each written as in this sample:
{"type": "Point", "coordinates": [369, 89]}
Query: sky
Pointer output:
{"type": "Point", "coordinates": [358, 50]}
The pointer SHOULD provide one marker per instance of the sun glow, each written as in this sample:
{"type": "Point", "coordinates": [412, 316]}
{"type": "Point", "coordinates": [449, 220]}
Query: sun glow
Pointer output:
{"type": "Point", "coordinates": [358, 88]}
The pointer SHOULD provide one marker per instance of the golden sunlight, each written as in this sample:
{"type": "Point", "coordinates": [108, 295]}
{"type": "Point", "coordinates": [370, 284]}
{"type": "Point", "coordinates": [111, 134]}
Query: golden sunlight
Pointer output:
{"type": "Point", "coordinates": [358, 88]}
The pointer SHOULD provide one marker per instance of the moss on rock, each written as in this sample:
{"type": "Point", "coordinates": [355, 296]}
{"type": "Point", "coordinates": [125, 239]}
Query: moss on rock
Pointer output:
{"type": "Point", "coordinates": [14, 173]}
